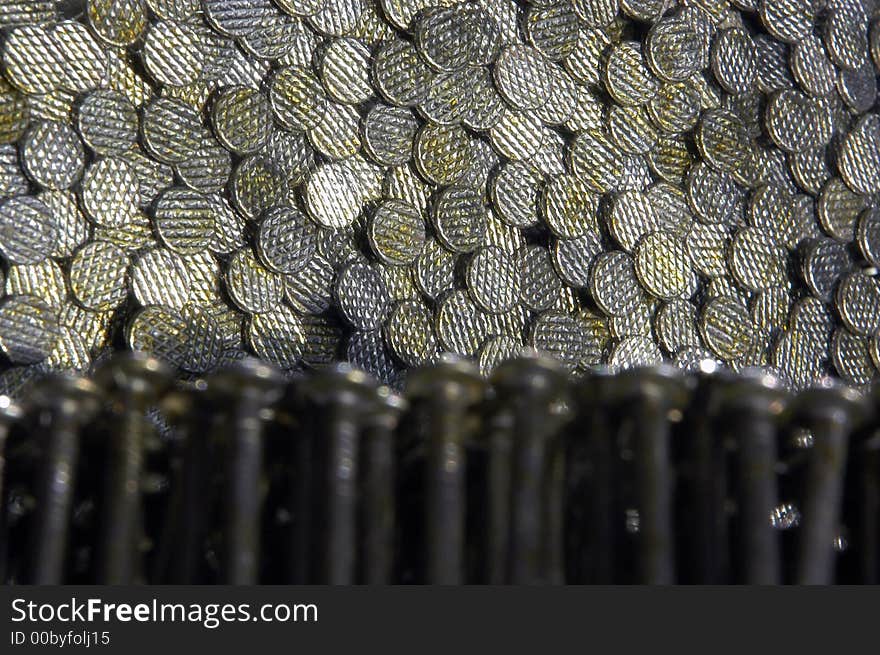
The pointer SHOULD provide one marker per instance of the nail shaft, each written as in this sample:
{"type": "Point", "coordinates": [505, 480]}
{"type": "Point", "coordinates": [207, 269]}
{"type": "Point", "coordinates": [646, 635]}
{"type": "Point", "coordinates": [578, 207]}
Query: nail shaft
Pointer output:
{"type": "Point", "coordinates": [554, 501]}
{"type": "Point", "coordinates": [342, 437]}
{"type": "Point", "coordinates": [301, 502]}
{"type": "Point", "coordinates": [603, 503]}
{"type": "Point", "coordinates": [122, 494]}
{"type": "Point", "coordinates": [243, 498]}
{"type": "Point", "coordinates": [752, 402]}
{"type": "Point", "coordinates": [528, 387]}
{"type": "Point", "coordinates": [869, 509]}
{"type": "Point", "coordinates": [830, 414]}
{"type": "Point", "coordinates": [378, 488]}
{"type": "Point", "coordinates": [498, 487]}
{"type": "Point", "coordinates": [10, 412]}
{"type": "Point", "coordinates": [134, 381]}
{"type": "Point", "coordinates": [654, 494]}
{"type": "Point", "coordinates": [524, 563]}
{"type": "Point", "coordinates": [444, 396]}
{"type": "Point", "coordinates": [597, 522]}
{"type": "Point", "coordinates": [54, 500]}
{"type": "Point", "coordinates": [758, 496]}
{"type": "Point", "coordinates": [707, 530]}
{"type": "Point", "coordinates": [242, 393]}
{"type": "Point", "coordinates": [176, 409]}
{"type": "Point", "coordinates": [647, 397]}
{"type": "Point", "coordinates": [344, 398]}
{"type": "Point", "coordinates": [194, 497]}
{"type": "Point", "coordinates": [444, 512]}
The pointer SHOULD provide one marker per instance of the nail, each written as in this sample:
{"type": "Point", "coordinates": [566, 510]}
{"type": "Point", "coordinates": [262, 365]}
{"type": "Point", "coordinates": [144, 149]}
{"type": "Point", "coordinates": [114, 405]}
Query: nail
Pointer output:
{"type": "Point", "coordinates": [831, 411]}
{"type": "Point", "coordinates": [180, 544]}
{"type": "Point", "coordinates": [867, 460]}
{"type": "Point", "coordinates": [646, 398]}
{"type": "Point", "coordinates": [553, 545]}
{"type": "Point", "coordinates": [751, 403]}
{"type": "Point", "coordinates": [378, 486]}
{"type": "Point", "coordinates": [595, 506]}
{"type": "Point", "coordinates": [499, 441]}
{"type": "Point", "coordinates": [343, 397]}
{"type": "Point", "coordinates": [63, 403]}
{"type": "Point", "coordinates": [134, 381]}
{"type": "Point", "coordinates": [529, 387]}
{"type": "Point", "coordinates": [10, 412]}
{"type": "Point", "coordinates": [443, 395]}
{"type": "Point", "coordinates": [293, 421]}
{"type": "Point", "coordinates": [243, 393]}
{"type": "Point", "coordinates": [856, 541]}
{"type": "Point", "coordinates": [702, 524]}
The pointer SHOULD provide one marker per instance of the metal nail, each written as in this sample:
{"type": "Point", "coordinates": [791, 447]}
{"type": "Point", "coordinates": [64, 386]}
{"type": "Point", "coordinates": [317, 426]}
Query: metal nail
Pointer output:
{"type": "Point", "coordinates": [243, 393]}
{"type": "Point", "coordinates": [63, 402]}
{"type": "Point", "coordinates": [378, 486]}
{"type": "Point", "coordinates": [530, 387]}
{"type": "Point", "coordinates": [292, 422]}
{"type": "Point", "coordinates": [553, 545]}
{"type": "Point", "coordinates": [344, 396]}
{"type": "Point", "coordinates": [594, 507]}
{"type": "Point", "coordinates": [704, 526]}
{"type": "Point", "coordinates": [646, 397]}
{"type": "Point", "coordinates": [180, 543]}
{"type": "Point", "coordinates": [866, 458]}
{"type": "Point", "coordinates": [10, 412]}
{"type": "Point", "coordinates": [134, 381]}
{"type": "Point", "coordinates": [831, 410]}
{"type": "Point", "coordinates": [442, 396]}
{"type": "Point", "coordinates": [499, 444]}
{"type": "Point", "coordinates": [752, 401]}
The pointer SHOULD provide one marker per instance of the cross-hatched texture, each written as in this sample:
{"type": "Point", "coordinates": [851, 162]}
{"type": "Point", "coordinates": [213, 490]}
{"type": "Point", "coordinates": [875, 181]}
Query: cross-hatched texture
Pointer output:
{"type": "Point", "coordinates": [362, 296]}
{"type": "Point", "coordinates": [28, 329]}
{"type": "Point", "coordinates": [99, 276]}
{"type": "Point", "coordinates": [397, 232]}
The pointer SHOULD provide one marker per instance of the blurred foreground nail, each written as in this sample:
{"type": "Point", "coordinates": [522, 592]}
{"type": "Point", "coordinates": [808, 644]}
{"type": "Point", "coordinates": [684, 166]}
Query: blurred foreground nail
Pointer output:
{"type": "Point", "coordinates": [752, 401]}
{"type": "Point", "coordinates": [528, 388]}
{"type": "Point", "coordinates": [64, 403]}
{"type": "Point", "coordinates": [649, 398]}
{"type": "Point", "coordinates": [343, 397]}
{"type": "Point", "coordinates": [10, 412]}
{"type": "Point", "coordinates": [378, 486]}
{"type": "Point", "coordinates": [830, 411]}
{"type": "Point", "coordinates": [442, 397]}
{"type": "Point", "coordinates": [134, 382]}
{"type": "Point", "coordinates": [242, 394]}
{"type": "Point", "coordinates": [181, 542]}
{"type": "Point", "coordinates": [594, 505]}
{"type": "Point", "coordinates": [704, 525]}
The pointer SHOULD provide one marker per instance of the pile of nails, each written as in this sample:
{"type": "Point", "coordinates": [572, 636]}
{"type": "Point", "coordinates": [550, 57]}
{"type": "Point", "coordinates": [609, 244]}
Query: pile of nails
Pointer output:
{"type": "Point", "coordinates": [639, 476]}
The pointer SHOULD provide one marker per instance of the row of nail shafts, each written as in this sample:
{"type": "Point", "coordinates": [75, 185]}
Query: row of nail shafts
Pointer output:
{"type": "Point", "coordinates": [644, 476]}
